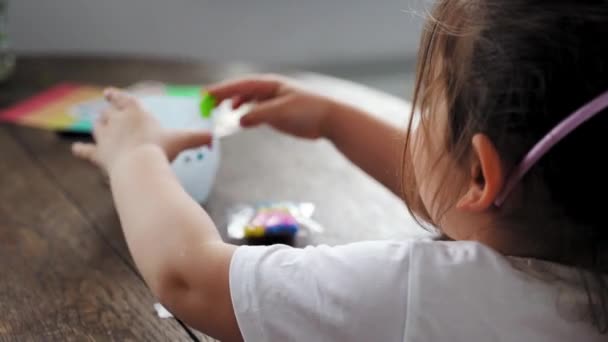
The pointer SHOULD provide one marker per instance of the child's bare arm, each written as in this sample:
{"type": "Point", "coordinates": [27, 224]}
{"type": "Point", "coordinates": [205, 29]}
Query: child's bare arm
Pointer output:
{"type": "Point", "coordinates": [373, 145]}
{"type": "Point", "coordinates": [174, 243]}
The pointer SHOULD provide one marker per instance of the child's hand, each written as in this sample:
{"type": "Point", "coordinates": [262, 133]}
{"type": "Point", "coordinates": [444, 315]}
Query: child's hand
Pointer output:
{"type": "Point", "coordinates": [279, 103]}
{"type": "Point", "coordinates": [125, 126]}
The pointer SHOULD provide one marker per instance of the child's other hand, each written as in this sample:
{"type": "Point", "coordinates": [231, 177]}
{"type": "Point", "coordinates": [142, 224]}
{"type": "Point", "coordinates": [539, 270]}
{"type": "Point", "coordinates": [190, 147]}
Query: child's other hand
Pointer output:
{"type": "Point", "coordinates": [279, 103]}
{"type": "Point", "coordinates": [125, 126]}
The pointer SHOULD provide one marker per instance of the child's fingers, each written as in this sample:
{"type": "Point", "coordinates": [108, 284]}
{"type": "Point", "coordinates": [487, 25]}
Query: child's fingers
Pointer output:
{"type": "Point", "coordinates": [247, 89]}
{"type": "Point", "coordinates": [119, 98]}
{"type": "Point", "coordinates": [99, 126]}
{"type": "Point", "coordinates": [85, 151]}
{"type": "Point", "coordinates": [104, 117]}
{"type": "Point", "coordinates": [237, 102]}
{"type": "Point", "coordinates": [264, 112]}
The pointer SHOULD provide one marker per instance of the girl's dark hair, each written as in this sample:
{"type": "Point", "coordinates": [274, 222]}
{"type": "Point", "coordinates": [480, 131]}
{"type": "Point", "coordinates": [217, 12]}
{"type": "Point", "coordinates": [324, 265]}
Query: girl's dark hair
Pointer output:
{"type": "Point", "coordinates": [513, 69]}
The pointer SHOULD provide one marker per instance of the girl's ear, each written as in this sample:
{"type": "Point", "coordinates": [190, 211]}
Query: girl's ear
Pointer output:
{"type": "Point", "coordinates": [486, 176]}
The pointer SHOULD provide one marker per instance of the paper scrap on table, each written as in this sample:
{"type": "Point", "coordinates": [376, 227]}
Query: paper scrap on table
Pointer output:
{"type": "Point", "coordinates": [161, 311]}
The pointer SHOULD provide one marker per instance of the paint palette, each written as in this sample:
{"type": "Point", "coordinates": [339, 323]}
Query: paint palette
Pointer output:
{"type": "Point", "coordinates": [69, 107]}
{"type": "Point", "coordinates": [74, 108]}
{"type": "Point", "coordinates": [65, 107]}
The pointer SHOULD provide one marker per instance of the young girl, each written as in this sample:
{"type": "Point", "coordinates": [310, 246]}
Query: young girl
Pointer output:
{"type": "Point", "coordinates": [516, 191]}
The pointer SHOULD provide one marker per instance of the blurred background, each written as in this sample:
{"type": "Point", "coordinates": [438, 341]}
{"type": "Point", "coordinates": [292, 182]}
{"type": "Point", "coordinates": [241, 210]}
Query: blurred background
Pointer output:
{"type": "Point", "coordinates": [371, 42]}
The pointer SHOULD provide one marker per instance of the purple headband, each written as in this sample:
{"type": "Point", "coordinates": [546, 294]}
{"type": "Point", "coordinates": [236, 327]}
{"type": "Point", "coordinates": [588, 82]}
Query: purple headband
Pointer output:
{"type": "Point", "coordinates": [551, 139]}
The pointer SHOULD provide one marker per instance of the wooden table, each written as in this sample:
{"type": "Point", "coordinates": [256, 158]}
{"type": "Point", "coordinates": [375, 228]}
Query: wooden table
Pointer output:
{"type": "Point", "coordinates": [66, 271]}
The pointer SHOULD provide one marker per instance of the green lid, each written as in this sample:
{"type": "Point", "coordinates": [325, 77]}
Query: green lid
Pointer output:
{"type": "Point", "coordinates": [208, 103]}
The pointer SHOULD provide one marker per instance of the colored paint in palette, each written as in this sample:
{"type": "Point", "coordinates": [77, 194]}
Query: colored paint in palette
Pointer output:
{"type": "Point", "coordinates": [74, 108]}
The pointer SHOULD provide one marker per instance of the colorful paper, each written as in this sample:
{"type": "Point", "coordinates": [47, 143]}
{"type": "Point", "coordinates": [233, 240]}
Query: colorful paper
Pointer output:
{"type": "Point", "coordinates": [70, 107]}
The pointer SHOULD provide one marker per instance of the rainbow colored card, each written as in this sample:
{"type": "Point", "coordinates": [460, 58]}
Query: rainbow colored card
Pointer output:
{"type": "Point", "coordinates": [70, 107]}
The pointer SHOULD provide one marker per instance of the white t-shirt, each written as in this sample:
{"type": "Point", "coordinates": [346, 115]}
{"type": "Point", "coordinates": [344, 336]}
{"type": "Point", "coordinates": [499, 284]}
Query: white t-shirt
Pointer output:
{"type": "Point", "coordinates": [405, 291]}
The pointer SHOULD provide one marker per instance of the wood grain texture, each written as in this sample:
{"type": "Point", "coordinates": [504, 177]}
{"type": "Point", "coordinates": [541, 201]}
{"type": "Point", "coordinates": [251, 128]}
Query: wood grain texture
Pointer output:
{"type": "Point", "coordinates": [83, 185]}
{"type": "Point", "coordinates": [80, 184]}
{"type": "Point", "coordinates": [60, 281]}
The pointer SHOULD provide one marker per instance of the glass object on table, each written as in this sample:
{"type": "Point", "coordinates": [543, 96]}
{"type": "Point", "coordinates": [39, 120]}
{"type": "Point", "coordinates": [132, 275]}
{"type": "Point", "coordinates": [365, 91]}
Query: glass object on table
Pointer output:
{"type": "Point", "coordinates": [7, 58]}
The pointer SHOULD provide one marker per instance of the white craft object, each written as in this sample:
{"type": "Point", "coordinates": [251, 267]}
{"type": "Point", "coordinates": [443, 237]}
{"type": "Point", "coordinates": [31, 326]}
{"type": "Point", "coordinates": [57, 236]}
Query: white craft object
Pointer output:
{"type": "Point", "coordinates": [161, 311]}
{"type": "Point", "coordinates": [196, 168]}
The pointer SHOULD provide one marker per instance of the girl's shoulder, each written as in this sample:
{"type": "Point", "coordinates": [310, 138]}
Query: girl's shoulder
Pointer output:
{"type": "Point", "coordinates": [464, 277]}
{"type": "Point", "coordinates": [468, 257]}
{"type": "Point", "coordinates": [481, 258]}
